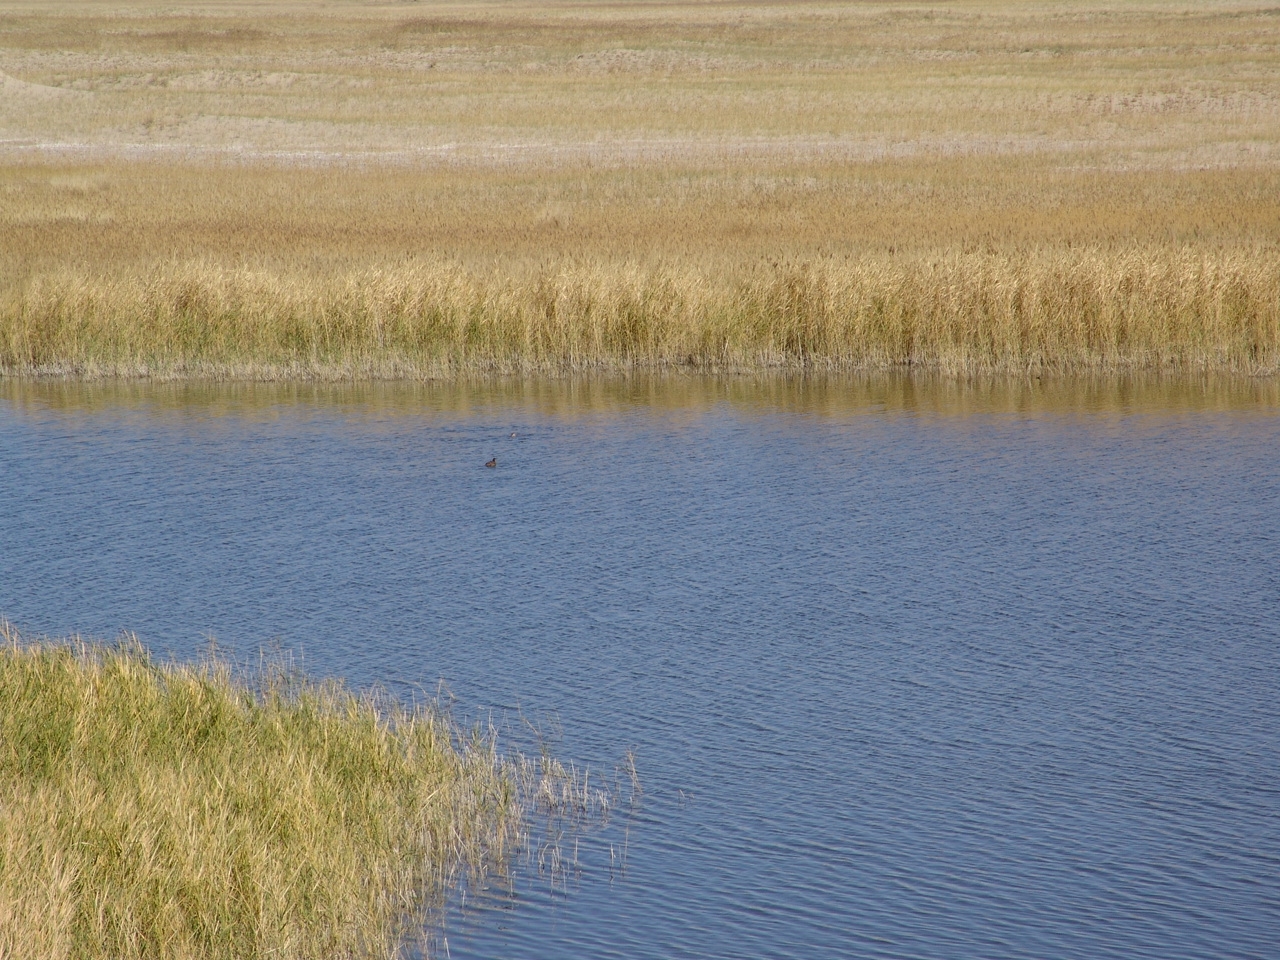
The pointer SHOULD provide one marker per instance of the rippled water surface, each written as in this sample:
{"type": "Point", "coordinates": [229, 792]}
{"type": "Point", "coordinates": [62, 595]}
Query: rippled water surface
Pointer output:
{"type": "Point", "coordinates": [910, 668]}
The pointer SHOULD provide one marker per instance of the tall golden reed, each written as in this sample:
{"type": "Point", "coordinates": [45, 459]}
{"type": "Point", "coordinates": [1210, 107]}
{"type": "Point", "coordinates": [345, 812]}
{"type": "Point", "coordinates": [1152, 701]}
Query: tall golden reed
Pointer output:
{"type": "Point", "coordinates": [1047, 309]}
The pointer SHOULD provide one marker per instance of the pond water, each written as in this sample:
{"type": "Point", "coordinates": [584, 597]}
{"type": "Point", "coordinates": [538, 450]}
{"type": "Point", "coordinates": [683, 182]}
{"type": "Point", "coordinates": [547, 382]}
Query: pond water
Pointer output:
{"type": "Point", "coordinates": [910, 667]}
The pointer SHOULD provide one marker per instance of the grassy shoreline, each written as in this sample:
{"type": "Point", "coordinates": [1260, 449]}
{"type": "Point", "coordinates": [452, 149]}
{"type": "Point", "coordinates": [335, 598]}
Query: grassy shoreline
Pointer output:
{"type": "Point", "coordinates": [372, 191]}
{"type": "Point", "coordinates": [1054, 311]}
{"type": "Point", "coordinates": [177, 811]}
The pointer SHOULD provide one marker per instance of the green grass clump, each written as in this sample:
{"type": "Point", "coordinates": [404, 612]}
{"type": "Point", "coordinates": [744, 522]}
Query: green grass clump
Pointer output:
{"type": "Point", "coordinates": [176, 811]}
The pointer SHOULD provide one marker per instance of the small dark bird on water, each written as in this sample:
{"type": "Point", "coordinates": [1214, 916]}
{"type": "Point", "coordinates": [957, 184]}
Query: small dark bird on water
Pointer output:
{"type": "Point", "coordinates": [492, 463]}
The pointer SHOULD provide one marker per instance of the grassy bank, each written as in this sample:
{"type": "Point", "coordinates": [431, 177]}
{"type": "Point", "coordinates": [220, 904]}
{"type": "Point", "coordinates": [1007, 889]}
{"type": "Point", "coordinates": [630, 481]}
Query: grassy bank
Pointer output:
{"type": "Point", "coordinates": [173, 811]}
{"type": "Point", "coordinates": [374, 190]}
{"type": "Point", "coordinates": [1044, 310]}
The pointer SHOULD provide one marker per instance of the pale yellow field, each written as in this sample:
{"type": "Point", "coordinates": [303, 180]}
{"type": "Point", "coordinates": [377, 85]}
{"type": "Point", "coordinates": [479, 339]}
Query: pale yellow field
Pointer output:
{"type": "Point", "coordinates": [419, 189]}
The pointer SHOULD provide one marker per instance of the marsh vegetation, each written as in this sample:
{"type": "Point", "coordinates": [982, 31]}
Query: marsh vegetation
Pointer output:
{"type": "Point", "coordinates": [184, 811]}
{"type": "Point", "coordinates": [424, 190]}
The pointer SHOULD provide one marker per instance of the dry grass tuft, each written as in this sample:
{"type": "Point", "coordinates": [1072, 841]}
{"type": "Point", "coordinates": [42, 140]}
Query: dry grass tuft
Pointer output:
{"type": "Point", "coordinates": [177, 812]}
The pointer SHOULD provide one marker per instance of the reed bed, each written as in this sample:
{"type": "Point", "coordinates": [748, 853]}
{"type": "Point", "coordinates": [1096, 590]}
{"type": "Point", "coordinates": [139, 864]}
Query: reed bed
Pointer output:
{"type": "Point", "coordinates": [171, 811]}
{"type": "Point", "coordinates": [1042, 310]}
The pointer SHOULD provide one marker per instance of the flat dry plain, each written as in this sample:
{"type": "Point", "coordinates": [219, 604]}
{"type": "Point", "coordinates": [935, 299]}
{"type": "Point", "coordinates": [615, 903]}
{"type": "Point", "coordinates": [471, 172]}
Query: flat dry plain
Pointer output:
{"type": "Point", "coordinates": [348, 189]}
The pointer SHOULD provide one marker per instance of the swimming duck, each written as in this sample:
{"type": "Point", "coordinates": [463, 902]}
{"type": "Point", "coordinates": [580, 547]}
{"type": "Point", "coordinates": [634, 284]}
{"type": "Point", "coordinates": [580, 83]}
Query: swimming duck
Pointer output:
{"type": "Point", "coordinates": [492, 463]}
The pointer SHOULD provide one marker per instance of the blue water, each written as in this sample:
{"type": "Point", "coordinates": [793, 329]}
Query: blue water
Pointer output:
{"type": "Point", "coordinates": [909, 668]}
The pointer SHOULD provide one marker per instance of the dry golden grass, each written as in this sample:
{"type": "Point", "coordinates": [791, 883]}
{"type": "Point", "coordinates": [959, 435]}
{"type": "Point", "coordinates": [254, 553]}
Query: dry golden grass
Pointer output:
{"type": "Point", "coordinates": [420, 189]}
{"type": "Point", "coordinates": [1040, 310]}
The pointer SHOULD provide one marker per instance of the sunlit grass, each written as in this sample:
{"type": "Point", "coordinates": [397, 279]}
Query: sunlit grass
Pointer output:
{"type": "Point", "coordinates": [1147, 307]}
{"type": "Point", "coordinates": [391, 190]}
{"type": "Point", "coordinates": [171, 811]}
